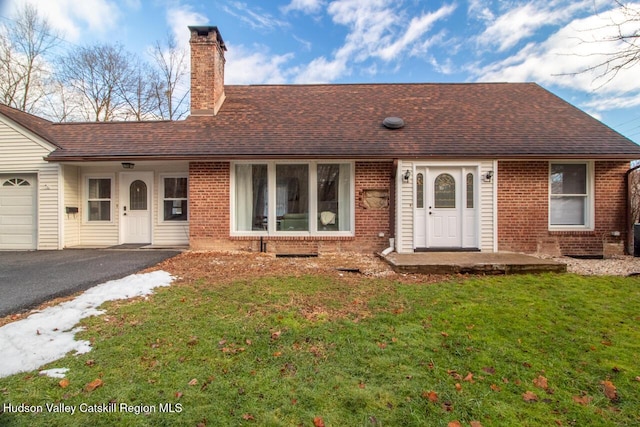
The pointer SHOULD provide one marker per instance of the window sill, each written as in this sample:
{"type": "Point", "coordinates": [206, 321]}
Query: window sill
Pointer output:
{"type": "Point", "coordinates": [292, 236]}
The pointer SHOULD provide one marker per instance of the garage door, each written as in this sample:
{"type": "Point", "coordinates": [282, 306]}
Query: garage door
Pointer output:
{"type": "Point", "coordinates": [18, 212]}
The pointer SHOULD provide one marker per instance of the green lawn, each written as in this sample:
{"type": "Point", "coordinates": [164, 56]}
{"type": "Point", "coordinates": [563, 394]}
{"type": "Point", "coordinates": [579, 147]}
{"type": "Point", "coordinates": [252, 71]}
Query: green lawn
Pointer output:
{"type": "Point", "coordinates": [491, 351]}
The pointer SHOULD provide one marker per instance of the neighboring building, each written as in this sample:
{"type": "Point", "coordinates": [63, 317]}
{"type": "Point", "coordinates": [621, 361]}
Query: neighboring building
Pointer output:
{"type": "Point", "coordinates": [321, 168]}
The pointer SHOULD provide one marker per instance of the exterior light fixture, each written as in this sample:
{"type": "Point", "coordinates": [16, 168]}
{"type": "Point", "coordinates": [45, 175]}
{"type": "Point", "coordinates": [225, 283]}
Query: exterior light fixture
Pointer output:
{"type": "Point", "coordinates": [406, 176]}
{"type": "Point", "coordinates": [127, 165]}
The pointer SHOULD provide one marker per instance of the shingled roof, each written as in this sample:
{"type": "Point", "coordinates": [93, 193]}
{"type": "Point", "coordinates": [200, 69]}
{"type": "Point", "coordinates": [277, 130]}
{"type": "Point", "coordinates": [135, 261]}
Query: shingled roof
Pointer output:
{"type": "Point", "coordinates": [476, 120]}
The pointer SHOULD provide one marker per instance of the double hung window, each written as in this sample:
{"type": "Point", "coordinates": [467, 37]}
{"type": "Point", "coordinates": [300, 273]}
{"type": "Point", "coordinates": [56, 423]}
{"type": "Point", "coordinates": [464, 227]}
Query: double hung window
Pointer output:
{"type": "Point", "coordinates": [570, 204]}
{"type": "Point", "coordinates": [99, 199]}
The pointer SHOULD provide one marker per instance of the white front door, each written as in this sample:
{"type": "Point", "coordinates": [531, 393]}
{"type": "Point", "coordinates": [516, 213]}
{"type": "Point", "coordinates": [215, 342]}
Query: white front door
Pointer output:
{"type": "Point", "coordinates": [444, 209]}
{"type": "Point", "coordinates": [135, 207]}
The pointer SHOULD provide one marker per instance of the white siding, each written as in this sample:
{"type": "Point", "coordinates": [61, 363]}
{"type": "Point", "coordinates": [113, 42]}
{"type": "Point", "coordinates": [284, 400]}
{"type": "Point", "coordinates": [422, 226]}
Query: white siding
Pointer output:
{"type": "Point", "coordinates": [405, 216]}
{"type": "Point", "coordinates": [168, 233]}
{"type": "Point", "coordinates": [23, 152]}
{"type": "Point", "coordinates": [71, 179]}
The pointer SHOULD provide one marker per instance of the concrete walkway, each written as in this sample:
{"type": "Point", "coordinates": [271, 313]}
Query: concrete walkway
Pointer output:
{"type": "Point", "coordinates": [471, 263]}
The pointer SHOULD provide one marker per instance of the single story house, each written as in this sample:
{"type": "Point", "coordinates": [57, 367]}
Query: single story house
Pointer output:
{"type": "Point", "coordinates": [321, 168]}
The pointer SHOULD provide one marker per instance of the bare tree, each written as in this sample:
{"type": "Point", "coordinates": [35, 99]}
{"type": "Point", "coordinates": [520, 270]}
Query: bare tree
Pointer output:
{"type": "Point", "coordinates": [625, 39]}
{"type": "Point", "coordinates": [24, 44]}
{"type": "Point", "coordinates": [171, 92]}
{"type": "Point", "coordinates": [140, 95]}
{"type": "Point", "coordinates": [101, 75]}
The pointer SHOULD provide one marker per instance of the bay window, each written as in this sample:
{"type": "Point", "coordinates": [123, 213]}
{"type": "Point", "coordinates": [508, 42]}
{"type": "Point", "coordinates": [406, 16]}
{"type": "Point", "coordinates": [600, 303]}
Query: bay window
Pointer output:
{"type": "Point", "coordinates": [570, 204]}
{"type": "Point", "coordinates": [293, 198]}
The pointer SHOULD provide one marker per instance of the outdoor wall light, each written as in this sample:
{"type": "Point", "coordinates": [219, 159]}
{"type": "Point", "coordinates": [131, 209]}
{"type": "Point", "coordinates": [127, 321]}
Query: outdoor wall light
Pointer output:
{"type": "Point", "coordinates": [127, 165]}
{"type": "Point", "coordinates": [406, 176]}
{"type": "Point", "coordinates": [487, 176]}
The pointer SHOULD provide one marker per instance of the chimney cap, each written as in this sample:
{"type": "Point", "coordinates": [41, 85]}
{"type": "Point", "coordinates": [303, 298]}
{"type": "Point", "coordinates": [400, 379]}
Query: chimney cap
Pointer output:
{"type": "Point", "coordinates": [205, 30]}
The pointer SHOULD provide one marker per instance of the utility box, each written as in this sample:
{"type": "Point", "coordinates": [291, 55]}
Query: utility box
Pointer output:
{"type": "Point", "coordinates": [636, 240]}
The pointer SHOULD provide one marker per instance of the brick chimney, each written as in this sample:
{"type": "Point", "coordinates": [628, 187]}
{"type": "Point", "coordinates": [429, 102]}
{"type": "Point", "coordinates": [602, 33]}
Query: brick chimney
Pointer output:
{"type": "Point", "coordinates": [207, 70]}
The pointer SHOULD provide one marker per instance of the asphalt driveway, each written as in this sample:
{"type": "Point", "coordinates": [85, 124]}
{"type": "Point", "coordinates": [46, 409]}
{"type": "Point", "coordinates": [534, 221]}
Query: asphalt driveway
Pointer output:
{"type": "Point", "coordinates": [30, 278]}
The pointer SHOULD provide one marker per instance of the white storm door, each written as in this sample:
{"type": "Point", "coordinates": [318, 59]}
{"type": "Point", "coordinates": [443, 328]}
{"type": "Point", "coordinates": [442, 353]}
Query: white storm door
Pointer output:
{"type": "Point", "coordinates": [444, 210]}
{"type": "Point", "coordinates": [135, 207]}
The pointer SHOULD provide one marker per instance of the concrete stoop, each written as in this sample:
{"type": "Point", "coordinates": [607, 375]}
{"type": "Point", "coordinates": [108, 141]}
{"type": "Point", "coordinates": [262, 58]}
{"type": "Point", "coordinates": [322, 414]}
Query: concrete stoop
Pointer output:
{"type": "Point", "coordinates": [471, 263]}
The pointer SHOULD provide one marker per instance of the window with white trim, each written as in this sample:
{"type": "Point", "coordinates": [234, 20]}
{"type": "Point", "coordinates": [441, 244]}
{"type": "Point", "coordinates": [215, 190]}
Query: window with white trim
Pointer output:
{"type": "Point", "coordinates": [570, 195]}
{"type": "Point", "coordinates": [289, 198]}
{"type": "Point", "coordinates": [99, 203]}
{"type": "Point", "coordinates": [175, 201]}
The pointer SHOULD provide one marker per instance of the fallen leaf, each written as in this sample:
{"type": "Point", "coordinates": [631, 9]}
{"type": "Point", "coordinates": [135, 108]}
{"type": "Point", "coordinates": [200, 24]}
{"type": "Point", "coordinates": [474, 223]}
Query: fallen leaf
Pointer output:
{"type": "Point", "coordinates": [582, 400]}
{"type": "Point", "coordinates": [93, 385]}
{"type": "Point", "coordinates": [275, 335]}
{"type": "Point", "coordinates": [638, 378]}
{"type": "Point", "coordinates": [529, 396]}
{"type": "Point", "coordinates": [469, 378]}
{"type": "Point", "coordinates": [277, 354]}
{"type": "Point", "coordinates": [318, 422]}
{"type": "Point", "coordinates": [444, 334]}
{"type": "Point", "coordinates": [248, 417]}
{"type": "Point", "coordinates": [178, 394]}
{"type": "Point", "coordinates": [458, 387]}
{"type": "Point", "coordinates": [540, 382]}
{"type": "Point", "coordinates": [193, 382]}
{"type": "Point", "coordinates": [361, 385]}
{"type": "Point", "coordinates": [475, 424]}
{"type": "Point", "coordinates": [494, 387]}
{"type": "Point", "coordinates": [609, 390]}
{"type": "Point", "coordinates": [447, 406]}
{"type": "Point", "coordinates": [64, 383]}
{"type": "Point", "coordinates": [455, 423]}
{"type": "Point", "coordinates": [431, 395]}
{"type": "Point", "coordinates": [382, 345]}
{"type": "Point", "coordinates": [489, 370]}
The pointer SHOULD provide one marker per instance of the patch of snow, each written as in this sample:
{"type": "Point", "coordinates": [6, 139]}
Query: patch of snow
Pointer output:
{"type": "Point", "coordinates": [48, 335]}
{"type": "Point", "coordinates": [55, 372]}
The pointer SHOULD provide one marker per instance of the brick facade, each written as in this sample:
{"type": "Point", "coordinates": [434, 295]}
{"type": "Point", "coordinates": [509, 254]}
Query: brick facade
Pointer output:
{"type": "Point", "coordinates": [523, 206]}
{"type": "Point", "coordinates": [210, 215]}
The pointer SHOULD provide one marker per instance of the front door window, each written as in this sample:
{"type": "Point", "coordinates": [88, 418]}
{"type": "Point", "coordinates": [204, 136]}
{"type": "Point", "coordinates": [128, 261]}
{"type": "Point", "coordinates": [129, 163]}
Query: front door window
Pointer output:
{"type": "Point", "coordinates": [138, 196]}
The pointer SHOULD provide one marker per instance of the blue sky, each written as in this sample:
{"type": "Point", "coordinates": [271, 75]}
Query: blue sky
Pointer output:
{"type": "Point", "coordinates": [381, 41]}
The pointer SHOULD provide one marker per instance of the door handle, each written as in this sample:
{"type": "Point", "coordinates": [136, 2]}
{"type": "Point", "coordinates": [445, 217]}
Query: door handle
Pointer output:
{"type": "Point", "coordinates": [125, 210]}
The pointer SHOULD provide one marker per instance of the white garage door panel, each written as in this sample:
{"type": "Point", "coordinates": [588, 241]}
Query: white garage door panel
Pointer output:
{"type": "Point", "coordinates": [18, 212]}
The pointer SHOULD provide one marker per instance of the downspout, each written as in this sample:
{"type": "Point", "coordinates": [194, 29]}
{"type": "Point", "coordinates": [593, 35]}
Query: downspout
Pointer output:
{"type": "Point", "coordinates": [392, 208]}
{"type": "Point", "coordinates": [628, 214]}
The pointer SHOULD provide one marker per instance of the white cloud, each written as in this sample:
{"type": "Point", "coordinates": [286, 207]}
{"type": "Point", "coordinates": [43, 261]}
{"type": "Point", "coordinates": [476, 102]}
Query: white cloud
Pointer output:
{"type": "Point", "coordinates": [255, 18]}
{"type": "Point", "coordinates": [72, 17]}
{"type": "Point", "coordinates": [309, 7]}
{"type": "Point", "coordinates": [255, 66]}
{"type": "Point", "coordinates": [570, 58]}
{"type": "Point", "coordinates": [377, 29]}
{"type": "Point", "coordinates": [478, 9]}
{"type": "Point", "coordinates": [322, 70]}
{"type": "Point", "coordinates": [179, 18]}
{"type": "Point", "coordinates": [415, 31]}
{"type": "Point", "coordinates": [523, 21]}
